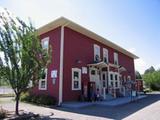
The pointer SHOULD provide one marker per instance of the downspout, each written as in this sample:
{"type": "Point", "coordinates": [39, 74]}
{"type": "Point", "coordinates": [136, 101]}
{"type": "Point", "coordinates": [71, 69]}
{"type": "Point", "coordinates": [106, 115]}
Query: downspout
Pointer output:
{"type": "Point", "coordinates": [60, 100]}
{"type": "Point", "coordinates": [61, 67]}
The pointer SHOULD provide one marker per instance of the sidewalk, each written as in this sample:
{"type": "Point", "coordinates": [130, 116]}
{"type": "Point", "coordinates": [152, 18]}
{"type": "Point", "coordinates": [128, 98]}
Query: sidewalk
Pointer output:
{"type": "Point", "coordinates": [120, 101]}
{"type": "Point", "coordinates": [114, 102]}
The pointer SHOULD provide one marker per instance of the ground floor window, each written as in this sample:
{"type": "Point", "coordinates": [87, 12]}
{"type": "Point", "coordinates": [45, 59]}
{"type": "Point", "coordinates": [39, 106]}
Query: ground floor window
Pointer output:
{"type": "Point", "coordinates": [114, 80]}
{"type": "Point", "coordinates": [76, 79]}
{"type": "Point", "coordinates": [43, 80]}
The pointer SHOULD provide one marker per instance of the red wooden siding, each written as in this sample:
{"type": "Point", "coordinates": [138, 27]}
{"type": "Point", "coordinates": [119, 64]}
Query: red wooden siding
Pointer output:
{"type": "Point", "coordinates": [80, 47]}
{"type": "Point", "coordinates": [54, 41]}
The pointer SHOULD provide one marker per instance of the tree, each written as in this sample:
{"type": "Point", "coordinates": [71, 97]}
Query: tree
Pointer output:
{"type": "Point", "coordinates": [149, 70]}
{"type": "Point", "coordinates": [152, 80]}
{"type": "Point", "coordinates": [24, 57]}
{"type": "Point", "coordinates": [138, 75]}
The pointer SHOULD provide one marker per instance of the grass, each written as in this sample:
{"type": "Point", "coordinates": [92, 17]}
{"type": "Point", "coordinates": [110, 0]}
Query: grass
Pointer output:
{"type": "Point", "coordinates": [6, 95]}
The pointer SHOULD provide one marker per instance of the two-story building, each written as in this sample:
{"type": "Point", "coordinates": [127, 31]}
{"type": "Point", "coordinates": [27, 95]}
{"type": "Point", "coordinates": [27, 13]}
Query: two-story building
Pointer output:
{"type": "Point", "coordinates": [83, 61]}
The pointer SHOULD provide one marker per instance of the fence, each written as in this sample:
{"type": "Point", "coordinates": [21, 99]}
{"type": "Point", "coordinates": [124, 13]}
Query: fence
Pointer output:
{"type": "Point", "coordinates": [6, 90]}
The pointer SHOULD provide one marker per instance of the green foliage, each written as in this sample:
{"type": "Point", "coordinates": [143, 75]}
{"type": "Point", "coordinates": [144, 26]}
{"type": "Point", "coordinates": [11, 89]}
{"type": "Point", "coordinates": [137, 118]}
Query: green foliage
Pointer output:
{"type": "Point", "coordinates": [149, 70]}
{"type": "Point", "coordinates": [24, 56]}
{"type": "Point", "coordinates": [152, 80]}
{"type": "Point", "coordinates": [138, 75]}
{"type": "Point", "coordinates": [38, 99]}
{"type": "Point", "coordinates": [3, 113]}
{"type": "Point", "coordinates": [4, 82]}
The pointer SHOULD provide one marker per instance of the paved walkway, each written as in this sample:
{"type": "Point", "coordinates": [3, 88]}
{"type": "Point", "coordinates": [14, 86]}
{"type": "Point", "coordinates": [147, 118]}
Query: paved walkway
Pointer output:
{"type": "Point", "coordinates": [115, 102]}
{"type": "Point", "coordinates": [50, 113]}
{"type": "Point", "coordinates": [143, 109]}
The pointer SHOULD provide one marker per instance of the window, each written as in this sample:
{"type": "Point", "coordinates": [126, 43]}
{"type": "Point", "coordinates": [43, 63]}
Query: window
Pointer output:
{"type": "Point", "coordinates": [114, 80]}
{"type": "Point", "coordinates": [30, 84]}
{"type": "Point", "coordinates": [116, 84]}
{"type": "Point", "coordinates": [45, 43]}
{"type": "Point", "coordinates": [112, 84]}
{"type": "Point", "coordinates": [76, 79]}
{"type": "Point", "coordinates": [93, 72]}
{"type": "Point", "coordinates": [116, 58]}
{"type": "Point", "coordinates": [105, 55]}
{"type": "Point", "coordinates": [96, 53]}
{"type": "Point", "coordinates": [111, 76]}
{"type": "Point", "coordinates": [115, 77]}
{"type": "Point", "coordinates": [43, 80]}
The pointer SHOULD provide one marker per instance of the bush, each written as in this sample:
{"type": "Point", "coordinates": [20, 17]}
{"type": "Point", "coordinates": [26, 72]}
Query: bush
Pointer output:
{"type": "Point", "coordinates": [152, 80]}
{"type": "Point", "coordinates": [41, 99]}
{"type": "Point", "coordinates": [155, 87]}
{"type": "Point", "coordinates": [3, 113]}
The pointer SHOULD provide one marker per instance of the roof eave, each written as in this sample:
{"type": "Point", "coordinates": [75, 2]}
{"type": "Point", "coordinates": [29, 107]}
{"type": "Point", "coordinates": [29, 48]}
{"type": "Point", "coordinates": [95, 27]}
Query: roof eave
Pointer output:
{"type": "Point", "coordinates": [63, 21]}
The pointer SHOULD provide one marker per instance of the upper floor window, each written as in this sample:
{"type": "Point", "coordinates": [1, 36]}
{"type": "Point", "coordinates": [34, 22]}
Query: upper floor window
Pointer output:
{"type": "Point", "coordinates": [105, 55]}
{"type": "Point", "coordinates": [96, 53]}
{"type": "Point", "coordinates": [76, 79]}
{"type": "Point", "coordinates": [45, 43]}
{"type": "Point", "coordinates": [116, 58]}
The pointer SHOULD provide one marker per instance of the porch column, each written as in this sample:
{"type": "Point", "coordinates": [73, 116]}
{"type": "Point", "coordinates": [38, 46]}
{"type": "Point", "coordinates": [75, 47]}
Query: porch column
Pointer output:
{"type": "Point", "coordinates": [108, 79]}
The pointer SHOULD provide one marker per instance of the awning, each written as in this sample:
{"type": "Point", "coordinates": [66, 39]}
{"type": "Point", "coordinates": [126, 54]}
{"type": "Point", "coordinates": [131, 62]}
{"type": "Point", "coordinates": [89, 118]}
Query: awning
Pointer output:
{"type": "Point", "coordinates": [99, 64]}
{"type": "Point", "coordinates": [122, 69]}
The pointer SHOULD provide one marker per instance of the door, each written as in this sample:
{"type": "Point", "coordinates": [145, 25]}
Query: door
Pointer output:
{"type": "Point", "coordinates": [104, 84]}
{"type": "Point", "coordinates": [94, 77]}
{"type": "Point", "coordinates": [91, 90]}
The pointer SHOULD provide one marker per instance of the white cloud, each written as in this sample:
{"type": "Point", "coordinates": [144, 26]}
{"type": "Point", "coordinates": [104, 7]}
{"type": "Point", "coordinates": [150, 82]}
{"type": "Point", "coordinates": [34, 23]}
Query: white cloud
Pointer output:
{"type": "Point", "coordinates": [157, 66]}
{"type": "Point", "coordinates": [2, 56]}
{"type": "Point", "coordinates": [132, 50]}
{"type": "Point", "coordinates": [141, 65]}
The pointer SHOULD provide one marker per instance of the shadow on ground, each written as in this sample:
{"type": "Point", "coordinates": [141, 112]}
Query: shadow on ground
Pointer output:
{"type": "Point", "coordinates": [118, 112]}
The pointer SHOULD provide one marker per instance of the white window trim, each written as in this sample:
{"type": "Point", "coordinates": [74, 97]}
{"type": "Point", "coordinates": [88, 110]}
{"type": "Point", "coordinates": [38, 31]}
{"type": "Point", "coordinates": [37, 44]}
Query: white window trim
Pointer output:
{"type": "Point", "coordinates": [110, 78]}
{"type": "Point", "coordinates": [116, 58]}
{"type": "Point", "coordinates": [30, 84]}
{"type": "Point", "coordinates": [105, 51]}
{"type": "Point", "coordinates": [40, 82]}
{"type": "Point", "coordinates": [114, 81]}
{"type": "Point", "coordinates": [99, 53]}
{"type": "Point", "coordinates": [92, 68]}
{"type": "Point", "coordinates": [77, 70]}
{"type": "Point", "coordinates": [45, 39]}
{"type": "Point", "coordinates": [118, 81]}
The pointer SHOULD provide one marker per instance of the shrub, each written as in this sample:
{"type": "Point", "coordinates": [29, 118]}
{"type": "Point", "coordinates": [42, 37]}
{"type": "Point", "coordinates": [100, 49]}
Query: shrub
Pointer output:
{"type": "Point", "coordinates": [25, 96]}
{"type": "Point", "coordinates": [41, 99]}
{"type": "Point", "coordinates": [155, 87]}
{"type": "Point", "coordinates": [3, 113]}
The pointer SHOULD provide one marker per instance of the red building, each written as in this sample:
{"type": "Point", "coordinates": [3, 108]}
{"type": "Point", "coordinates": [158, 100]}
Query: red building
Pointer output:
{"type": "Point", "coordinates": [139, 85]}
{"type": "Point", "coordinates": [83, 61]}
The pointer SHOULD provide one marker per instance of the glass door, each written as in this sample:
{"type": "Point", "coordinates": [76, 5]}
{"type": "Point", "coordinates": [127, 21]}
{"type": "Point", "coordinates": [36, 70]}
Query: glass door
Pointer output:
{"type": "Point", "coordinates": [104, 84]}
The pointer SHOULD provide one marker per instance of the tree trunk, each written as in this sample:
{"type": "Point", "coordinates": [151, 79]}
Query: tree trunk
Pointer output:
{"type": "Point", "coordinates": [17, 104]}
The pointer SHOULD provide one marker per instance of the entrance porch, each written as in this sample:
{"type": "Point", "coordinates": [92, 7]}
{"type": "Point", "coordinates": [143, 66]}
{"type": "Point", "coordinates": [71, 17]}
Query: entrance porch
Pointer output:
{"type": "Point", "coordinates": [105, 78]}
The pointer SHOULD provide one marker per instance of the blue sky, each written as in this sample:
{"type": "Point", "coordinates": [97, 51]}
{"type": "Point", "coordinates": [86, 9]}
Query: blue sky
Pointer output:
{"type": "Point", "coordinates": [132, 24]}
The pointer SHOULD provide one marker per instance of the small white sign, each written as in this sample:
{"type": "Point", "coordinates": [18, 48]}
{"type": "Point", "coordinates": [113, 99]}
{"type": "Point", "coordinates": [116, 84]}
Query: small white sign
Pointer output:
{"type": "Point", "coordinates": [84, 70]}
{"type": "Point", "coordinates": [54, 74]}
{"type": "Point", "coordinates": [133, 93]}
{"type": "Point", "coordinates": [54, 81]}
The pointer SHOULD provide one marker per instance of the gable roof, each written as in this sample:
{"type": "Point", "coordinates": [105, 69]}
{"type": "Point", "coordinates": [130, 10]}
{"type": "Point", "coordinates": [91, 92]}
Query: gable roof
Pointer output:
{"type": "Point", "coordinates": [74, 26]}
